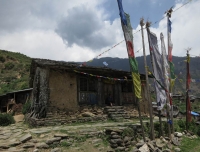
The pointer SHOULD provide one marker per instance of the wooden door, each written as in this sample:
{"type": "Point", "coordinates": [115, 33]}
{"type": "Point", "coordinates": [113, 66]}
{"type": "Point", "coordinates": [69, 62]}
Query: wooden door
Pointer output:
{"type": "Point", "coordinates": [109, 89]}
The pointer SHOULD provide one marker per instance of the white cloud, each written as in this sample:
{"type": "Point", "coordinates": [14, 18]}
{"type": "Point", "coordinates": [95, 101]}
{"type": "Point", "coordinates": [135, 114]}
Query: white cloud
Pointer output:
{"type": "Point", "coordinates": [30, 29]}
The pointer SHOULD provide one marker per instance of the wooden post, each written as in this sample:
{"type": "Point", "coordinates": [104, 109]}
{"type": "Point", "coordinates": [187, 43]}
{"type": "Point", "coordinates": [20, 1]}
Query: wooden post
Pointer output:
{"type": "Point", "coordinates": [169, 12]}
{"type": "Point", "coordinates": [187, 88]}
{"type": "Point", "coordinates": [139, 112]}
{"type": "Point", "coordinates": [147, 84]}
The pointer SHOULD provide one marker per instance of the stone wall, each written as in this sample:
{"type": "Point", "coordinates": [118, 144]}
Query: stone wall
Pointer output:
{"type": "Point", "coordinates": [63, 90]}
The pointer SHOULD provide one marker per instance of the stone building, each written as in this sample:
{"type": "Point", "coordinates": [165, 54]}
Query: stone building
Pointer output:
{"type": "Point", "coordinates": [68, 86]}
{"type": "Point", "coordinates": [13, 101]}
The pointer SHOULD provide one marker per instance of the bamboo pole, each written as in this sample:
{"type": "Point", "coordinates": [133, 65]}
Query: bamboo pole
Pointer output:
{"type": "Point", "coordinates": [152, 136]}
{"type": "Point", "coordinates": [169, 12]}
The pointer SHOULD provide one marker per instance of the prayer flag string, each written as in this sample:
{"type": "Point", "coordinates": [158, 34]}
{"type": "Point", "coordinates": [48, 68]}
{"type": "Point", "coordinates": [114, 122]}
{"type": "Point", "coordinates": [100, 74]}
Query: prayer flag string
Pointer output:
{"type": "Point", "coordinates": [104, 77]}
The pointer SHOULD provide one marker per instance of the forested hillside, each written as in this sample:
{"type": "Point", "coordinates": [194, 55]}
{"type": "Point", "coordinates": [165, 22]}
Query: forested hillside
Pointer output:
{"type": "Point", "coordinates": [14, 71]}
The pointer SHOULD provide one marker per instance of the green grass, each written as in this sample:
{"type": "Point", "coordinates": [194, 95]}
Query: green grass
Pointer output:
{"type": "Point", "coordinates": [190, 145]}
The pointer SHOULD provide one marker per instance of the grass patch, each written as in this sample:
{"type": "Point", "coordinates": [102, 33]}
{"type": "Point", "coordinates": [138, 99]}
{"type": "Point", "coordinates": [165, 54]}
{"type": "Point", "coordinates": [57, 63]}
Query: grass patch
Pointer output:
{"type": "Point", "coordinates": [6, 119]}
{"type": "Point", "coordinates": [63, 131]}
{"type": "Point", "coordinates": [190, 145]}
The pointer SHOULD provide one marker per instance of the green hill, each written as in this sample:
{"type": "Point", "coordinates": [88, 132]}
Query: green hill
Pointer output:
{"type": "Point", "coordinates": [14, 71]}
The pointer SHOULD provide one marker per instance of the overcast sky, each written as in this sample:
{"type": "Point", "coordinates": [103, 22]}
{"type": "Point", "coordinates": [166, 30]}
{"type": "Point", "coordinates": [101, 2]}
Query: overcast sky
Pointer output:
{"type": "Point", "coordinates": [79, 30]}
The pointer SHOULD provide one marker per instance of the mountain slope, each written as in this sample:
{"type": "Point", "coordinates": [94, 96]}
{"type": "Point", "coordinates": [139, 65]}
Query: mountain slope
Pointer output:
{"type": "Point", "coordinates": [14, 71]}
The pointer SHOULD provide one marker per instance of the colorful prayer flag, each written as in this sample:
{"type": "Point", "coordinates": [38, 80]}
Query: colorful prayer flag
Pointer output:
{"type": "Point", "coordinates": [170, 46]}
{"type": "Point", "coordinates": [166, 67]}
{"type": "Point", "coordinates": [158, 70]}
{"type": "Point", "coordinates": [127, 29]}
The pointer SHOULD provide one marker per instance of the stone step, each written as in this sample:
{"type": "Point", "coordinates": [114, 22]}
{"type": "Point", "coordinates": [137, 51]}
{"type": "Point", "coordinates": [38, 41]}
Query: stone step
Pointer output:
{"type": "Point", "coordinates": [114, 107]}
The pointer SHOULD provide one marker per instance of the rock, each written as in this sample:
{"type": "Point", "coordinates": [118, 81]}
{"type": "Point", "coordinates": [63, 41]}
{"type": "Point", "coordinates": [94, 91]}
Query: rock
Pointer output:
{"type": "Point", "coordinates": [87, 114]}
{"type": "Point", "coordinates": [169, 145]}
{"type": "Point", "coordinates": [178, 134]}
{"type": "Point", "coordinates": [144, 148]}
{"type": "Point", "coordinates": [36, 150]}
{"type": "Point", "coordinates": [133, 143]}
{"type": "Point", "coordinates": [56, 150]}
{"type": "Point", "coordinates": [136, 150]}
{"type": "Point", "coordinates": [150, 145]}
{"type": "Point", "coordinates": [50, 141]}
{"type": "Point", "coordinates": [118, 141]}
{"type": "Point", "coordinates": [159, 143]}
{"type": "Point", "coordinates": [140, 144]}
{"type": "Point", "coordinates": [157, 150]}
{"type": "Point", "coordinates": [127, 143]}
{"type": "Point", "coordinates": [112, 141]}
{"type": "Point", "coordinates": [25, 138]}
{"type": "Point", "coordinates": [113, 133]}
{"type": "Point", "coordinates": [126, 139]}
{"type": "Point", "coordinates": [175, 141]}
{"type": "Point", "coordinates": [61, 135]}
{"type": "Point", "coordinates": [120, 148]}
{"type": "Point", "coordinates": [115, 136]}
{"type": "Point", "coordinates": [166, 150]}
{"type": "Point", "coordinates": [28, 145]}
{"type": "Point", "coordinates": [41, 131]}
{"type": "Point", "coordinates": [14, 149]}
{"type": "Point", "coordinates": [127, 149]}
{"type": "Point", "coordinates": [16, 143]}
{"type": "Point", "coordinates": [113, 145]}
{"type": "Point", "coordinates": [147, 139]}
{"type": "Point", "coordinates": [41, 145]}
{"type": "Point", "coordinates": [3, 146]}
{"type": "Point", "coordinates": [177, 149]}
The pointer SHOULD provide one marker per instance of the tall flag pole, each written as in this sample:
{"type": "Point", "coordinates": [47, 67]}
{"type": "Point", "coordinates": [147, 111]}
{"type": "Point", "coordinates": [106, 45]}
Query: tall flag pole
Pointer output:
{"type": "Point", "coordinates": [165, 66]}
{"type": "Point", "coordinates": [127, 29]}
{"type": "Point", "coordinates": [188, 80]}
{"type": "Point", "coordinates": [147, 85]}
{"type": "Point", "coordinates": [171, 75]}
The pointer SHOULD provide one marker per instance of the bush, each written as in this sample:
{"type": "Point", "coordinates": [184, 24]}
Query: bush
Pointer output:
{"type": "Point", "coordinates": [6, 119]}
{"type": "Point", "coordinates": [9, 65]}
{"type": "Point", "coordinates": [26, 107]}
{"type": "Point", "coordinates": [2, 59]}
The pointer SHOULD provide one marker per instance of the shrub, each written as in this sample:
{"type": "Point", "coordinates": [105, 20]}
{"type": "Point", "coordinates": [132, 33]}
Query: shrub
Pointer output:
{"type": "Point", "coordinates": [26, 107]}
{"type": "Point", "coordinates": [2, 59]}
{"type": "Point", "coordinates": [6, 119]}
{"type": "Point", "coordinates": [9, 65]}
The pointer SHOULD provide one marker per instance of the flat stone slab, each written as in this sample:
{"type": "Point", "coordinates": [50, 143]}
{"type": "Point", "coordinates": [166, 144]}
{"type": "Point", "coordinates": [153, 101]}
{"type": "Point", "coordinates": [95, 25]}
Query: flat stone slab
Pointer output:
{"type": "Point", "coordinates": [50, 141]}
{"type": "Point", "coordinates": [15, 143]}
{"type": "Point", "coordinates": [41, 145]}
{"type": "Point", "coordinates": [25, 138]}
{"type": "Point", "coordinates": [28, 145]}
{"type": "Point", "coordinates": [36, 131]}
{"type": "Point", "coordinates": [61, 135]}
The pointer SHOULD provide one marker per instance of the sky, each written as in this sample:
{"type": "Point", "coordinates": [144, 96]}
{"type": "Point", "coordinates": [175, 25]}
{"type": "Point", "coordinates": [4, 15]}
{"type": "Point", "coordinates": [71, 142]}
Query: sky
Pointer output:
{"type": "Point", "coordinates": [82, 30]}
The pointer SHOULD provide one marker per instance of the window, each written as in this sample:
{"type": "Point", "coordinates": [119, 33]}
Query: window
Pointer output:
{"type": "Point", "coordinates": [87, 84]}
{"type": "Point", "coordinates": [83, 84]}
